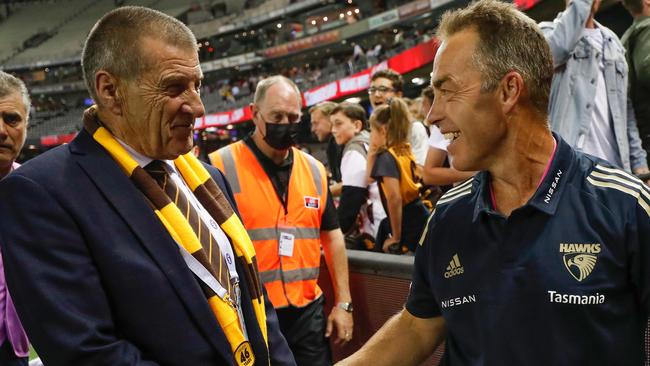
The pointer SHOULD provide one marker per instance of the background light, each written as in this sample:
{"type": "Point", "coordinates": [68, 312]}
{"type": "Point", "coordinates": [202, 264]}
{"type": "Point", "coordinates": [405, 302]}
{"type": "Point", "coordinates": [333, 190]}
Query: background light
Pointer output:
{"type": "Point", "coordinates": [418, 81]}
{"type": "Point", "coordinates": [354, 100]}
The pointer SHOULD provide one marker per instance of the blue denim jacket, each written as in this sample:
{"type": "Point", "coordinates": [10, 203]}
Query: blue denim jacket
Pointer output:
{"type": "Point", "coordinates": [573, 88]}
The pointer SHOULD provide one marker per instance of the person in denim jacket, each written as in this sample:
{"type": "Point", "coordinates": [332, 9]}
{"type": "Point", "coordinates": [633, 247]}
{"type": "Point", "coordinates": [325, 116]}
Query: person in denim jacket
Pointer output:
{"type": "Point", "coordinates": [589, 105]}
{"type": "Point", "coordinates": [636, 40]}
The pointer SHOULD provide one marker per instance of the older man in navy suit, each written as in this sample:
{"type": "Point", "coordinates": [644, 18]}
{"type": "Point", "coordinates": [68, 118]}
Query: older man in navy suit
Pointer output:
{"type": "Point", "coordinates": [121, 248]}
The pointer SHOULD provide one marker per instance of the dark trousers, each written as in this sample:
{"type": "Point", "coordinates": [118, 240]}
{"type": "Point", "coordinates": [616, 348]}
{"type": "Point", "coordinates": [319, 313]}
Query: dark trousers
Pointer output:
{"type": "Point", "coordinates": [304, 329]}
{"type": "Point", "coordinates": [9, 358]}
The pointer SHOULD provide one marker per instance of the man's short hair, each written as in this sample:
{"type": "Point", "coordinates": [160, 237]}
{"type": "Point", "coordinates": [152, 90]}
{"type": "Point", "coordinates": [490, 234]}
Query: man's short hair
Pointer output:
{"type": "Point", "coordinates": [264, 84]}
{"type": "Point", "coordinates": [114, 43]}
{"type": "Point", "coordinates": [10, 84]}
{"type": "Point", "coordinates": [325, 108]}
{"type": "Point", "coordinates": [508, 41]}
{"type": "Point", "coordinates": [427, 93]}
{"type": "Point", "coordinates": [353, 111]}
{"type": "Point", "coordinates": [392, 75]}
{"type": "Point", "coordinates": [634, 6]}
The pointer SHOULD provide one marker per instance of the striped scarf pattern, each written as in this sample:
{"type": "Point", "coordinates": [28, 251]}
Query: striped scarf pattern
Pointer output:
{"type": "Point", "coordinates": [214, 201]}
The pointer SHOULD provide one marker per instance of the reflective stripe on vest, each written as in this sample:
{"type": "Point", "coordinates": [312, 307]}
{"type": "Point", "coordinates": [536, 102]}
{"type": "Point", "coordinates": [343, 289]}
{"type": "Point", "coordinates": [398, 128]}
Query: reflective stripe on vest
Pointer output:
{"type": "Point", "coordinates": [300, 274]}
{"type": "Point", "coordinates": [289, 280]}
{"type": "Point", "coordinates": [272, 233]}
{"type": "Point", "coordinates": [315, 173]}
{"type": "Point", "coordinates": [229, 168]}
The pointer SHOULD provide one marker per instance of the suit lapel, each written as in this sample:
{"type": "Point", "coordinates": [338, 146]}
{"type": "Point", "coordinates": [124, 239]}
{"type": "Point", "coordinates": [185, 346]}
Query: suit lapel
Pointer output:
{"type": "Point", "coordinates": [130, 203]}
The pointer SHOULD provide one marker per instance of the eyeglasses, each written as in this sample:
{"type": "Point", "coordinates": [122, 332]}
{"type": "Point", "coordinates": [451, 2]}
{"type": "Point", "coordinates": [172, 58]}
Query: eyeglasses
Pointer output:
{"type": "Point", "coordinates": [380, 90]}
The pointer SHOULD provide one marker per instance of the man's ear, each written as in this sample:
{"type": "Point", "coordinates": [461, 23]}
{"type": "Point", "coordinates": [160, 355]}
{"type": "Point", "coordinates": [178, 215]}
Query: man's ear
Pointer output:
{"type": "Point", "coordinates": [511, 89]}
{"type": "Point", "coordinates": [255, 111]}
{"type": "Point", "coordinates": [399, 94]}
{"type": "Point", "coordinates": [108, 93]}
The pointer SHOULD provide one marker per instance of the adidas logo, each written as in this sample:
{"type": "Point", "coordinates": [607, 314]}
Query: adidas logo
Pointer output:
{"type": "Point", "coordinates": [454, 268]}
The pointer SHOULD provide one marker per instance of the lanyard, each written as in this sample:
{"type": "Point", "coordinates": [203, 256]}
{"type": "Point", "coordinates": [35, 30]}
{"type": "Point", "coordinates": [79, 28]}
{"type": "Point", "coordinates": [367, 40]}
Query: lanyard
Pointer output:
{"type": "Point", "coordinates": [206, 277]}
{"type": "Point", "coordinates": [217, 234]}
{"type": "Point", "coordinates": [224, 245]}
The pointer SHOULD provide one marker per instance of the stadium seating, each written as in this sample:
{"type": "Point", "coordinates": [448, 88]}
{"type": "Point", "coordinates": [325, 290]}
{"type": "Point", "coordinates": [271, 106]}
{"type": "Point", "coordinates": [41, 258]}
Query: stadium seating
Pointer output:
{"type": "Point", "coordinates": [54, 123]}
{"type": "Point", "coordinates": [41, 17]}
{"type": "Point", "coordinates": [67, 43]}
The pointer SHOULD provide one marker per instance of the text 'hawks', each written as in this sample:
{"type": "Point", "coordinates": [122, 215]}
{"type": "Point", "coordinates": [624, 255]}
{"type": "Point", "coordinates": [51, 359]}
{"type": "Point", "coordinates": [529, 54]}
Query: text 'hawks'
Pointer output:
{"type": "Point", "coordinates": [580, 259]}
{"type": "Point", "coordinates": [580, 248]}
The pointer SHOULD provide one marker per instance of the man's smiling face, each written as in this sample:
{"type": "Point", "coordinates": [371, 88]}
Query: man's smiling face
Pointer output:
{"type": "Point", "coordinates": [468, 117]}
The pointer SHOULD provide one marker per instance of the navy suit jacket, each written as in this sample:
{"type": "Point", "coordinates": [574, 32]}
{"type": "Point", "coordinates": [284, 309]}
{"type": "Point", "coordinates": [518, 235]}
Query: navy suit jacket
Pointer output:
{"type": "Point", "coordinates": [96, 278]}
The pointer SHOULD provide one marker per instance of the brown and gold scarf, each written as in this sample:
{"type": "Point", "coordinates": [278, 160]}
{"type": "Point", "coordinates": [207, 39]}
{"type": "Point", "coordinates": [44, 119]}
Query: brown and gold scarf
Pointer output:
{"type": "Point", "coordinates": [213, 200]}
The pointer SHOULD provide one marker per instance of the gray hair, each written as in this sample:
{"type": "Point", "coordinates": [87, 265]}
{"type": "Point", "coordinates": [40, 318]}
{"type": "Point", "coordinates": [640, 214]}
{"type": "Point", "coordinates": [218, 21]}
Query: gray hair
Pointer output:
{"type": "Point", "coordinates": [265, 84]}
{"type": "Point", "coordinates": [508, 41]}
{"type": "Point", "coordinates": [113, 43]}
{"type": "Point", "coordinates": [10, 84]}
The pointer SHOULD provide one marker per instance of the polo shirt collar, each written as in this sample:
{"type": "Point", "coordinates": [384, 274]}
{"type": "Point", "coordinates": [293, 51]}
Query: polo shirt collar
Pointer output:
{"type": "Point", "coordinates": [483, 197]}
{"type": "Point", "coordinates": [548, 194]}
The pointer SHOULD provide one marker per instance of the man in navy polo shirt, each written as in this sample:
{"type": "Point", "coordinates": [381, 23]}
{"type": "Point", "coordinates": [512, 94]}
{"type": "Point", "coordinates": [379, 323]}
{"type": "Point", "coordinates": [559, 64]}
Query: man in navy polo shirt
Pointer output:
{"type": "Point", "coordinates": [542, 257]}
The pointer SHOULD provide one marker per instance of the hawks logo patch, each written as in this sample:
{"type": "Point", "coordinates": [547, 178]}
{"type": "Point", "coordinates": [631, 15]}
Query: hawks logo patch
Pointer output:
{"type": "Point", "coordinates": [580, 259]}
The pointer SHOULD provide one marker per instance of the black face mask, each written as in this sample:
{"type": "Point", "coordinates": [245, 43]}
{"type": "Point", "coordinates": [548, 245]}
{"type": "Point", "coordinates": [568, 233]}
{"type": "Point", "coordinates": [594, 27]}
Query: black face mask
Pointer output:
{"type": "Point", "coordinates": [281, 136]}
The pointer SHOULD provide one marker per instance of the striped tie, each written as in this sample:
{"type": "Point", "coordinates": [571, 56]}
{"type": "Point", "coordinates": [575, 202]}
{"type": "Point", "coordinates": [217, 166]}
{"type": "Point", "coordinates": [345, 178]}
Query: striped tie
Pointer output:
{"type": "Point", "coordinates": [209, 255]}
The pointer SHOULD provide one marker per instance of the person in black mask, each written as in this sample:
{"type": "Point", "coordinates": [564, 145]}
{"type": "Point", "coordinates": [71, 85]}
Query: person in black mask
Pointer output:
{"type": "Point", "coordinates": [287, 209]}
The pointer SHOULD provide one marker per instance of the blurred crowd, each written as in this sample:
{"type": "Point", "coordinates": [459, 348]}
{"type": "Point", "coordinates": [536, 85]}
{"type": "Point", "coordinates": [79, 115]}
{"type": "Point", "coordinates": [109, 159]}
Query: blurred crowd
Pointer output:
{"type": "Point", "coordinates": [387, 170]}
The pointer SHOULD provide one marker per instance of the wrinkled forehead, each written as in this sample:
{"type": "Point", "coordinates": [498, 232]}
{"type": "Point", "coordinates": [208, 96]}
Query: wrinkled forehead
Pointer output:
{"type": "Point", "coordinates": [454, 56]}
{"type": "Point", "coordinates": [13, 103]}
{"type": "Point", "coordinates": [164, 55]}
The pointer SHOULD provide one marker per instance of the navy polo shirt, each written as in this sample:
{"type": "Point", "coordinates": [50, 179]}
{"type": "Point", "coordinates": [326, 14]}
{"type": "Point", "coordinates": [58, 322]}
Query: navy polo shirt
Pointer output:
{"type": "Point", "coordinates": [563, 281]}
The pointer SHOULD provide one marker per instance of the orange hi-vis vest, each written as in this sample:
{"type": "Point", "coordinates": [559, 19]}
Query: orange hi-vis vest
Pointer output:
{"type": "Point", "coordinates": [291, 278]}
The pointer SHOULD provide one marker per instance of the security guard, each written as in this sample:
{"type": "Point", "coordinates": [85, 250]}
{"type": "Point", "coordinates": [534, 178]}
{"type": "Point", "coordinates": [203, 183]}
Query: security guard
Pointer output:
{"type": "Point", "coordinates": [285, 204]}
